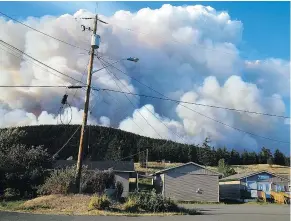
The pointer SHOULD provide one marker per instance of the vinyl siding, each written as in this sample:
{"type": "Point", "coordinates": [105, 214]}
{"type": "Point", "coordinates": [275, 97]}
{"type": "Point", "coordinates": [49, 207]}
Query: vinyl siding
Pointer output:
{"type": "Point", "coordinates": [182, 184]}
{"type": "Point", "coordinates": [124, 179]}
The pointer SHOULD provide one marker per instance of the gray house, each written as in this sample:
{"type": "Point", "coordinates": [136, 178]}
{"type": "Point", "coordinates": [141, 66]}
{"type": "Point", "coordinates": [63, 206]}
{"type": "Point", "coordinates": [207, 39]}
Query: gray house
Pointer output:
{"type": "Point", "coordinates": [246, 185]}
{"type": "Point", "coordinates": [188, 182]}
{"type": "Point", "coordinates": [122, 169]}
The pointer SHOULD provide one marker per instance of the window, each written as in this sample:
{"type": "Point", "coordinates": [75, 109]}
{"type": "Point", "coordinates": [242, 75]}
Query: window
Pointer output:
{"type": "Point", "coordinates": [252, 185]}
{"type": "Point", "coordinates": [260, 186]}
{"type": "Point", "coordinates": [267, 186]}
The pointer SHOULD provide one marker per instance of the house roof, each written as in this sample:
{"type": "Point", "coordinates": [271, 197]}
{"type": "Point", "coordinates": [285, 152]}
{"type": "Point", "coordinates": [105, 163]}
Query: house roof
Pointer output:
{"type": "Point", "coordinates": [171, 168]}
{"type": "Point", "coordinates": [118, 166]}
{"type": "Point", "coordinates": [240, 176]}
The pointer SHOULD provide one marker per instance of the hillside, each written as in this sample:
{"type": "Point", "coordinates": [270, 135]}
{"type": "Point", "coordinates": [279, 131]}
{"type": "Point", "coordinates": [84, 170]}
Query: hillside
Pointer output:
{"type": "Point", "coordinates": [113, 144]}
{"type": "Point", "coordinates": [277, 169]}
{"type": "Point", "coordinates": [104, 142]}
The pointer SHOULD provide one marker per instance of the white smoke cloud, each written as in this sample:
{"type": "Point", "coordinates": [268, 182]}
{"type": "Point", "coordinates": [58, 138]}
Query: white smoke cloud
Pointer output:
{"type": "Point", "coordinates": [186, 53]}
{"type": "Point", "coordinates": [271, 74]}
{"type": "Point", "coordinates": [18, 117]}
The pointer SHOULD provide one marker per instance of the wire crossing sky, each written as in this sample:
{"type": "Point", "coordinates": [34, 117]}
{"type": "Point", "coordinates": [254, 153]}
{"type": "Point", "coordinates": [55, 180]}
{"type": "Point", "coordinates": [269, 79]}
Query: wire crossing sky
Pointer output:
{"type": "Point", "coordinates": [201, 60]}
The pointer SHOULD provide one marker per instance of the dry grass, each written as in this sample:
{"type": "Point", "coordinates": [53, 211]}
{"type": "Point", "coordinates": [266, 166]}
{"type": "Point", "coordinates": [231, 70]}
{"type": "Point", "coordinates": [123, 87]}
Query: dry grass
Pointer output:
{"type": "Point", "coordinates": [277, 169]}
{"type": "Point", "coordinates": [59, 204]}
{"type": "Point", "coordinates": [72, 205]}
{"type": "Point", "coordinates": [155, 166]}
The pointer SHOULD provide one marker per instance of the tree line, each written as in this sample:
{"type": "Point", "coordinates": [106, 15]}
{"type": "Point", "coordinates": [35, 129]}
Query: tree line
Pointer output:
{"type": "Point", "coordinates": [105, 143]}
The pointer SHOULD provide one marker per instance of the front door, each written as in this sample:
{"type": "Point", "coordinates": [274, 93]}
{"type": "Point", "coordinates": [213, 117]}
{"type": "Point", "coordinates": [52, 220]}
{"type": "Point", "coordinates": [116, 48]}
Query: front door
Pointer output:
{"type": "Point", "coordinates": [266, 187]}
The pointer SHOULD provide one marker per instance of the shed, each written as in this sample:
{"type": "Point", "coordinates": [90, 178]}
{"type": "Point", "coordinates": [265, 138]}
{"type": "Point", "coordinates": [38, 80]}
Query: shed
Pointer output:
{"type": "Point", "coordinates": [122, 169]}
{"type": "Point", "coordinates": [246, 185]}
{"type": "Point", "coordinates": [188, 182]}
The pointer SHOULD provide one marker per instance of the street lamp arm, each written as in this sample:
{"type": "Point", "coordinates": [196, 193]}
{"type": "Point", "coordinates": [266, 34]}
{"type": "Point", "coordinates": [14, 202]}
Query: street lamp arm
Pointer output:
{"type": "Point", "coordinates": [129, 59]}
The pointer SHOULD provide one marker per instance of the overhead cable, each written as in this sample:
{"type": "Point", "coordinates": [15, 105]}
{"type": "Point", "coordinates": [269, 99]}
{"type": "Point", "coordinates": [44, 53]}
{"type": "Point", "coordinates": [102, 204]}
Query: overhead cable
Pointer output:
{"type": "Point", "coordinates": [210, 118]}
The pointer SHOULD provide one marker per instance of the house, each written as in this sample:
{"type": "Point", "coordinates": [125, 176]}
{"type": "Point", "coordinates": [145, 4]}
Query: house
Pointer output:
{"type": "Point", "coordinates": [122, 169]}
{"type": "Point", "coordinates": [246, 185]}
{"type": "Point", "coordinates": [188, 182]}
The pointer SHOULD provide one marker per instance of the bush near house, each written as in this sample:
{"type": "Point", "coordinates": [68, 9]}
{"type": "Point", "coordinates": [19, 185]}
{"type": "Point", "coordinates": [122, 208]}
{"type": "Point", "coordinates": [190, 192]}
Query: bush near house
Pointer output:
{"type": "Point", "coordinates": [62, 181]}
{"type": "Point", "coordinates": [23, 168]}
{"type": "Point", "coordinates": [59, 182]}
{"type": "Point", "coordinates": [151, 202]}
{"type": "Point", "coordinates": [119, 190]}
{"type": "Point", "coordinates": [99, 202]}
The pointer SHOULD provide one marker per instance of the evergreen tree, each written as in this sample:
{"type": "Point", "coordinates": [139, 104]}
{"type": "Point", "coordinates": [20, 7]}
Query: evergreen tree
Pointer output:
{"type": "Point", "coordinates": [245, 157]}
{"type": "Point", "coordinates": [279, 157]}
{"type": "Point", "coordinates": [234, 158]}
{"type": "Point", "coordinates": [224, 168]}
{"type": "Point", "coordinates": [264, 155]}
{"type": "Point", "coordinates": [252, 158]}
{"type": "Point", "coordinates": [206, 156]}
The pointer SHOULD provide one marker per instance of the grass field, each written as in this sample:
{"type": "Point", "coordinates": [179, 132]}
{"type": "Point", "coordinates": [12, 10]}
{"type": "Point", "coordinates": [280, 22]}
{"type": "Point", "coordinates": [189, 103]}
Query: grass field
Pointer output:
{"type": "Point", "coordinates": [277, 169]}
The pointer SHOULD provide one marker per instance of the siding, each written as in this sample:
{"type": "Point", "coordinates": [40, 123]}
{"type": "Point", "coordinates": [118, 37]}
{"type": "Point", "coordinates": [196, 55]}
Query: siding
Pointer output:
{"type": "Point", "coordinates": [124, 179]}
{"type": "Point", "coordinates": [229, 190]}
{"type": "Point", "coordinates": [182, 184]}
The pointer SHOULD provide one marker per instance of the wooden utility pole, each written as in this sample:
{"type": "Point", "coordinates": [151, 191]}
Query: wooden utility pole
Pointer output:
{"type": "Point", "coordinates": [86, 108]}
{"type": "Point", "coordinates": [147, 160]}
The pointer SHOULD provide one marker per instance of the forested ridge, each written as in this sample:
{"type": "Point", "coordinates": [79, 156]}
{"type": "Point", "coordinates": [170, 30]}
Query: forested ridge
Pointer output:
{"type": "Point", "coordinates": [113, 144]}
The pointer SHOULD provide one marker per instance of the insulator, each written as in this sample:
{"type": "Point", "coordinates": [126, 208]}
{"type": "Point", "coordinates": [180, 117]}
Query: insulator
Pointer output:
{"type": "Point", "coordinates": [64, 100]}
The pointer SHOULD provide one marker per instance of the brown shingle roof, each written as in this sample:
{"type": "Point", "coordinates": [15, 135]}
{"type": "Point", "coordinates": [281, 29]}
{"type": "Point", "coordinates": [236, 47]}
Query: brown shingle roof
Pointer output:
{"type": "Point", "coordinates": [240, 176]}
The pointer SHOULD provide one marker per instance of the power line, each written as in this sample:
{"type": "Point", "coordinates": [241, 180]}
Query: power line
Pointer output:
{"type": "Point", "coordinates": [132, 105]}
{"type": "Point", "coordinates": [39, 62]}
{"type": "Point", "coordinates": [150, 89]}
{"type": "Point", "coordinates": [33, 86]}
{"type": "Point", "coordinates": [22, 52]}
{"type": "Point", "coordinates": [151, 113]}
{"type": "Point", "coordinates": [42, 32]}
{"type": "Point", "coordinates": [148, 96]}
{"type": "Point", "coordinates": [198, 104]}
{"type": "Point", "coordinates": [217, 121]}
{"type": "Point", "coordinates": [65, 144]}
{"type": "Point", "coordinates": [34, 59]}
{"type": "Point", "coordinates": [57, 39]}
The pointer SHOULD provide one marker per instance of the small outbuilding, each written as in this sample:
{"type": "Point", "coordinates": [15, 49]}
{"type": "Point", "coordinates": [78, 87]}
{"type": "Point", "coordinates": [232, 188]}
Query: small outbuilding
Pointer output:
{"type": "Point", "coordinates": [188, 182]}
{"type": "Point", "coordinates": [123, 170]}
{"type": "Point", "coordinates": [248, 185]}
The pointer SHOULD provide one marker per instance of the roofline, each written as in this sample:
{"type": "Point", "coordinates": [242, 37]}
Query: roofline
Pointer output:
{"type": "Point", "coordinates": [124, 171]}
{"type": "Point", "coordinates": [254, 173]}
{"type": "Point", "coordinates": [196, 164]}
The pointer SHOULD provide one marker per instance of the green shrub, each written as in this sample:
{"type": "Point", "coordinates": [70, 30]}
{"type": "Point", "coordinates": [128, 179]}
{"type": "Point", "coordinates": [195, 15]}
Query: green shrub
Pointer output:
{"type": "Point", "coordinates": [99, 202]}
{"type": "Point", "coordinates": [152, 202]}
{"type": "Point", "coordinates": [97, 181]}
{"type": "Point", "coordinates": [22, 168]}
{"type": "Point", "coordinates": [60, 181]}
{"type": "Point", "coordinates": [119, 189]}
{"type": "Point", "coordinates": [10, 193]}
